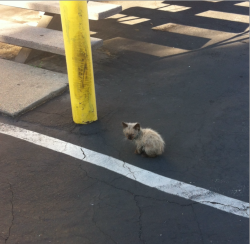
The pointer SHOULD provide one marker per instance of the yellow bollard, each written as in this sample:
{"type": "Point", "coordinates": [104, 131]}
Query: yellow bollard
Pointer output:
{"type": "Point", "coordinates": [75, 25]}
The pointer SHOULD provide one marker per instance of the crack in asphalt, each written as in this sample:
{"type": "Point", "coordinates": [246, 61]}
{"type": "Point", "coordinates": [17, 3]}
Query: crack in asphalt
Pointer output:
{"type": "Point", "coordinates": [99, 228]}
{"type": "Point", "coordinates": [198, 224]}
{"type": "Point", "coordinates": [105, 234]}
{"type": "Point", "coordinates": [122, 189]}
{"type": "Point", "coordinates": [84, 156]}
{"type": "Point", "coordinates": [12, 212]}
{"type": "Point", "coordinates": [140, 222]}
{"type": "Point", "coordinates": [162, 200]}
{"type": "Point", "coordinates": [241, 209]}
{"type": "Point", "coordinates": [135, 196]}
{"type": "Point", "coordinates": [136, 202]}
{"type": "Point", "coordinates": [64, 150]}
{"type": "Point", "coordinates": [126, 167]}
{"type": "Point", "coordinates": [116, 178]}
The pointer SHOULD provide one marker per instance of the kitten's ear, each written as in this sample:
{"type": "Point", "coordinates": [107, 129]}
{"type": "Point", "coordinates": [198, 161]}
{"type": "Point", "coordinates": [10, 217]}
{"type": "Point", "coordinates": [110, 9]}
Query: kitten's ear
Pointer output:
{"type": "Point", "coordinates": [124, 125]}
{"type": "Point", "coordinates": [137, 126]}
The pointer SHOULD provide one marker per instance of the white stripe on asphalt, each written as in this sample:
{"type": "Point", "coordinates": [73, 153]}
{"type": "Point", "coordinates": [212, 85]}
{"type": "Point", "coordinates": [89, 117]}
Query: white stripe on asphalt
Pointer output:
{"type": "Point", "coordinates": [142, 176]}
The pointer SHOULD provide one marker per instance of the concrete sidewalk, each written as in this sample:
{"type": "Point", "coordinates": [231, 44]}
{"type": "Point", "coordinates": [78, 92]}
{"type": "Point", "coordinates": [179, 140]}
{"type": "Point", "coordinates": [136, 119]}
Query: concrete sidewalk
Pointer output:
{"type": "Point", "coordinates": [23, 87]}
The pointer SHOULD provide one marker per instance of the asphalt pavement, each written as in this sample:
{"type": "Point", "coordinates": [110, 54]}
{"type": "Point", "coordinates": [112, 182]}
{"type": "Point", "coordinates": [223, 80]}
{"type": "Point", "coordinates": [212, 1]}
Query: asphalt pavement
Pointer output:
{"type": "Point", "coordinates": [182, 70]}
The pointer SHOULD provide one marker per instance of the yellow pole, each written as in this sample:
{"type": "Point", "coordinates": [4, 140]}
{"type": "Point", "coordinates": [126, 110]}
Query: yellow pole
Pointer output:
{"type": "Point", "coordinates": [75, 25]}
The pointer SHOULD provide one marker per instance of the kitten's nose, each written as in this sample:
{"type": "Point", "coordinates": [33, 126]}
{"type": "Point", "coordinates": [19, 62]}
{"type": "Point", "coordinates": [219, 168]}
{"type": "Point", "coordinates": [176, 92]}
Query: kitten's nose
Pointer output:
{"type": "Point", "coordinates": [130, 137]}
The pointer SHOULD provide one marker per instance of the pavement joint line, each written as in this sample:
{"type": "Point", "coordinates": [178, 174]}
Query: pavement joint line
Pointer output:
{"type": "Point", "coordinates": [145, 177]}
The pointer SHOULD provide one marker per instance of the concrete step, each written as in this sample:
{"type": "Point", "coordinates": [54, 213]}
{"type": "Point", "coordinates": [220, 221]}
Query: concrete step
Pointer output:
{"type": "Point", "coordinates": [23, 87]}
{"type": "Point", "coordinates": [36, 38]}
{"type": "Point", "coordinates": [96, 10]}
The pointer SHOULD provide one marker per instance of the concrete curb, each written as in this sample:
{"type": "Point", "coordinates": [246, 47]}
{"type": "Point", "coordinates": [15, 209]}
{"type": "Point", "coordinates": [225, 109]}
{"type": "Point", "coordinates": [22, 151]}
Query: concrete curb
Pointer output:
{"type": "Point", "coordinates": [23, 87]}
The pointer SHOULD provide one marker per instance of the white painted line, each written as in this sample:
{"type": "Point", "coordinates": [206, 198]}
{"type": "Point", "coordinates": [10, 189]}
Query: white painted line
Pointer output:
{"type": "Point", "coordinates": [142, 176]}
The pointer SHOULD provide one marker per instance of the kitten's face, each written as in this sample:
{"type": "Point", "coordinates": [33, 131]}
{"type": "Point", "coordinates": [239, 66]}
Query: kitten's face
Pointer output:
{"type": "Point", "coordinates": [131, 130]}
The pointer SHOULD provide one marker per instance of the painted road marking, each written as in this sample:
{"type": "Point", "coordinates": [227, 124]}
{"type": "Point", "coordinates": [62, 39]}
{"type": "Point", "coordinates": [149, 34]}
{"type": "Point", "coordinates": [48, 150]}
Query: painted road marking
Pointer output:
{"type": "Point", "coordinates": [142, 176]}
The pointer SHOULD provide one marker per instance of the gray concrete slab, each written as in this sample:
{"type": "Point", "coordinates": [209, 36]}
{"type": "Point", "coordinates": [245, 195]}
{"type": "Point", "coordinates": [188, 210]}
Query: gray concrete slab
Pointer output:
{"type": "Point", "coordinates": [96, 10]}
{"type": "Point", "coordinates": [23, 87]}
{"type": "Point", "coordinates": [36, 38]}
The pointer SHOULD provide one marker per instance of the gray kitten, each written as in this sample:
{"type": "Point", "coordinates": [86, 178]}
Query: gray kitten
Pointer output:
{"type": "Point", "coordinates": [148, 142]}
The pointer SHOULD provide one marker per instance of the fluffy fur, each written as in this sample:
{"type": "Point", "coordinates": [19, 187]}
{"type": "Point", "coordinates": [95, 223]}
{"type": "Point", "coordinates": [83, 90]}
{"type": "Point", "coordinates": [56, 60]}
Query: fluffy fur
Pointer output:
{"type": "Point", "coordinates": [148, 142]}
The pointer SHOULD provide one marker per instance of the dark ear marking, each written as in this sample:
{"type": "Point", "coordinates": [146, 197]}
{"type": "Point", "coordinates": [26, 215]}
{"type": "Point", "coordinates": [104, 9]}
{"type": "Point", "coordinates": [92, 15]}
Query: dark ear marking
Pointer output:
{"type": "Point", "coordinates": [124, 125]}
{"type": "Point", "coordinates": [137, 126]}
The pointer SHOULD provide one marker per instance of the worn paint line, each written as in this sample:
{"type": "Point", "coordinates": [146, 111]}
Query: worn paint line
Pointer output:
{"type": "Point", "coordinates": [142, 176]}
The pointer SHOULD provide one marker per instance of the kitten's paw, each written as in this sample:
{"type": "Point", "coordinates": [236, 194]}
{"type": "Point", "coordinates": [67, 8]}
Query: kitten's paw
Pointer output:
{"type": "Point", "coordinates": [152, 156]}
{"type": "Point", "coordinates": [144, 154]}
